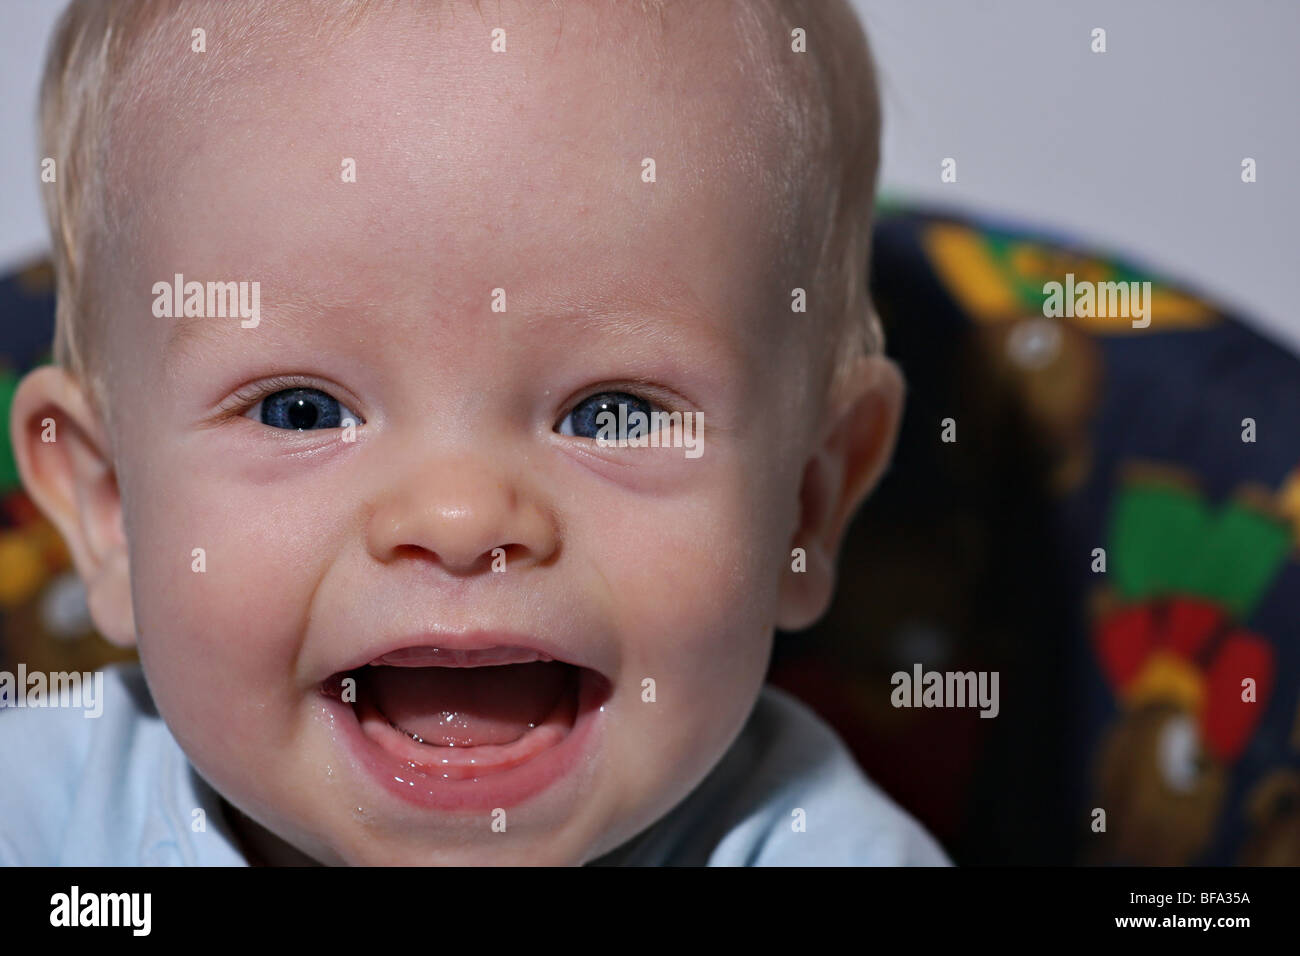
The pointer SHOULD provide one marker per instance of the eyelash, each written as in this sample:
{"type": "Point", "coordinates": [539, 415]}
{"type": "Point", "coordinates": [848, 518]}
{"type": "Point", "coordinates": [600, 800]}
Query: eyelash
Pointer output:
{"type": "Point", "coordinates": [245, 398]}
{"type": "Point", "coordinates": [654, 395]}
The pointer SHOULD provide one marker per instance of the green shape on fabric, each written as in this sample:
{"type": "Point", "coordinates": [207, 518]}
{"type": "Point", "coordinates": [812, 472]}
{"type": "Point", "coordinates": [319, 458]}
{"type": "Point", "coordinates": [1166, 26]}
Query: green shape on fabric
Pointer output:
{"type": "Point", "coordinates": [1242, 554]}
{"type": "Point", "coordinates": [1155, 533]}
{"type": "Point", "coordinates": [1167, 540]}
{"type": "Point", "coordinates": [8, 464]}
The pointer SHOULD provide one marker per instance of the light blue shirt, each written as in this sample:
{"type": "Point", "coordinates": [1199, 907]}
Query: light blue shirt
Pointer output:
{"type": "Point", "coordinates": [117, 790]}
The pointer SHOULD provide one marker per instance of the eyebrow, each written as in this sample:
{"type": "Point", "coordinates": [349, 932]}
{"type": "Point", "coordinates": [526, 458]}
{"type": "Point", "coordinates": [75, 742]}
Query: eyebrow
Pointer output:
{"type": "Point", "coordinates": [635, 304]}
{"type": "Point", "coordinates": [189, 332]}
{"type": "Point", "coordinates": [706, 346]}
{"type": "Point", "coordinates": [186, 333]}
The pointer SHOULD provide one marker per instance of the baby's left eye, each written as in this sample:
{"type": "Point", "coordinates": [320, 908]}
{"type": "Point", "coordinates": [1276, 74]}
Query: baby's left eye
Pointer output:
{"type": "Point", "coordinates": [609, 415]}
{"type": "Point", "coordinates": [303, 409]}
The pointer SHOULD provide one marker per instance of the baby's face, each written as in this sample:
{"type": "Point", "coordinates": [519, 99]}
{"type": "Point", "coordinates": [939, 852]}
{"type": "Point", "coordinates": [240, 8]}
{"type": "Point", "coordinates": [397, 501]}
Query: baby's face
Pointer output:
{"type": "Point", "coordinates": [475, 171]}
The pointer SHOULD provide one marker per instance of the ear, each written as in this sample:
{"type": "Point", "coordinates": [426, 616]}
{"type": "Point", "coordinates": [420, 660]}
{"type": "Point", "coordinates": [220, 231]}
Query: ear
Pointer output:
{"type": "Point", "coordinates": [67, 467]}
{"type": "Point", "coordinates": [846, 464]}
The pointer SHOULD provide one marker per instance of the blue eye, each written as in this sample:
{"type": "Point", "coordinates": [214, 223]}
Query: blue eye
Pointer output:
{"type": "Point", "coordinates": [609, 415]}
{"type": "Point", "coordinates": [303, 409]}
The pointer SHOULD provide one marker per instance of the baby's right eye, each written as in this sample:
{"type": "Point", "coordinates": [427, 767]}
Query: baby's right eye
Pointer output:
{"type": "Point", "coordinates": [302, 409]}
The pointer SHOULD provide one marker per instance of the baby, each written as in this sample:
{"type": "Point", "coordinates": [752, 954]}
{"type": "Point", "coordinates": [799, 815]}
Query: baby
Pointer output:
{"type": "Point", "coordinates": [450, 401]}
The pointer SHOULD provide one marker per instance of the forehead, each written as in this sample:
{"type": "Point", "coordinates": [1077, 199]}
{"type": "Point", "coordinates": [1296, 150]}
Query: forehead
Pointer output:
{"type": "Point", "coordinates": [527, 170]}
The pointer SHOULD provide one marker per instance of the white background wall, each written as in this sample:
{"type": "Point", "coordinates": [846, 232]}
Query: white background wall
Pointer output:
{"type": "Point", "coordinates": [1137, 149]}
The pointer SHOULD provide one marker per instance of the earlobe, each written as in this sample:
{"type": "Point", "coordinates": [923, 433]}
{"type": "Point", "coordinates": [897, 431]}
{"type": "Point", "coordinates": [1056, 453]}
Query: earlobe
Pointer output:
{"type": "Point", "coordinates": [807, 586]}
{"type": "Point", "coordinates": [108, 598]}
{"type": "Point", "coordinates": [67, 469]}
{"type": "Point", "coordinates": [837, 478]}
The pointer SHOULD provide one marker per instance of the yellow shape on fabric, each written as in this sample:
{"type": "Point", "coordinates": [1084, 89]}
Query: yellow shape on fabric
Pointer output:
{"type": "Point", "coordinates": [22, 569]}
{"type": "Point", "coordinates": [993, 290]}
{"type": "Point", "coordinates": [1168, 677]}
{"type": "Point", "coordinates": [976, 279]}
{"type": "Point", "coordinates": [1288, 500]}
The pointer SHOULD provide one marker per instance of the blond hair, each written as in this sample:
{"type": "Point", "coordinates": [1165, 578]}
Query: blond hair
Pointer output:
{"type": "Point", "coordinates": [824, 103]}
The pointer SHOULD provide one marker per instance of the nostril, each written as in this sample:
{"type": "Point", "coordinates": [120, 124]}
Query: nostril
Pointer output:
{"type": "Point", "coordinates": [412, 551]}
{"type": "Point", "coordinates": [503, 555]}
{"type": "Point", "coordinates": [498, 558]}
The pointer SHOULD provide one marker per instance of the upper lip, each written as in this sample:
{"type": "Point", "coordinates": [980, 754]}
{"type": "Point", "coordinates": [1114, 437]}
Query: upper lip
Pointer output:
{"type": "Point", "coordinates": [505, 647]}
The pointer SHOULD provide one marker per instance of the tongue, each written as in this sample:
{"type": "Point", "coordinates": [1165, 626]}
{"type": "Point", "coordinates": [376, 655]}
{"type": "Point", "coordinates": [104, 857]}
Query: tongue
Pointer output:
{"type": "Point", "coordinates": [466, 706]}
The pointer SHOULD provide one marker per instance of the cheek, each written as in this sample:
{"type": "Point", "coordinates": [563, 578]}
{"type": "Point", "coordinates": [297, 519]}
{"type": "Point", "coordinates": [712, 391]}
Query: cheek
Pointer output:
{"type": "Point", "coordinates": [219, 630]}
{"type": "Point", "coordinates": [695, 615]}
{"type": "Point", "coordinates": [694, 597]}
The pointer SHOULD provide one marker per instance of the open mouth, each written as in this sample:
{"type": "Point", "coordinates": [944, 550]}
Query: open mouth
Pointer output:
{"type": "Point", "coordinates": [436, 719]}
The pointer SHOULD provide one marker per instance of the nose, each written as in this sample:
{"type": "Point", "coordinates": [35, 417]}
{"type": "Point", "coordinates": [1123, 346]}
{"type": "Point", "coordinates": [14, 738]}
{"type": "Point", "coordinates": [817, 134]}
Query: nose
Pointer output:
{"type": "Point", "coordinates": [459, 513]}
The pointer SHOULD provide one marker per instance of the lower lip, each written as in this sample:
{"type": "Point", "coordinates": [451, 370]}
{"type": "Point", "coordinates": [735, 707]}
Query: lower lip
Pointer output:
{"type": "Point", "coordinates": [424, 786]}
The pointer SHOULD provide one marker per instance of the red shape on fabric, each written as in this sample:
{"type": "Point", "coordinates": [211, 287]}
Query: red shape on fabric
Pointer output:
{"type": "Point", "coordinates": [1125, 638]}
{"type": "Point", "coordinates": [1192, 621]}
{"type": "Point", "coordinates": [1228, 721]}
